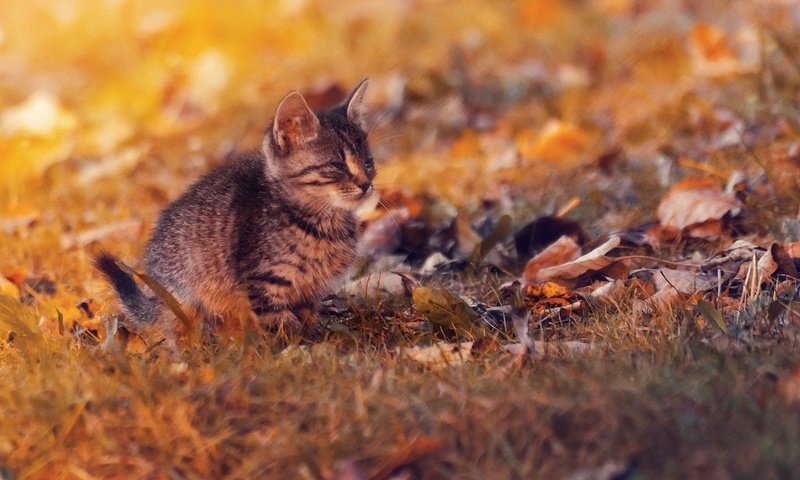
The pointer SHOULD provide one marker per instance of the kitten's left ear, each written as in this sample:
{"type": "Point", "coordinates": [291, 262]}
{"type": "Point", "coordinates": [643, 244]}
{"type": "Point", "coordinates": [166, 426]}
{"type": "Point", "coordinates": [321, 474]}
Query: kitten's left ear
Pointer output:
{"type": "Point", "coordinates": [355, 104]}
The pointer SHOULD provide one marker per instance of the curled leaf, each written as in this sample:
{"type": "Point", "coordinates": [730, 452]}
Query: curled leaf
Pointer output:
{"type": "Point", "coordinates": [596, 260]}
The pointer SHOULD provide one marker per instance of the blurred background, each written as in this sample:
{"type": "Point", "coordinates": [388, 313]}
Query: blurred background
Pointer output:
{"type": "Point", "coordinates": [110, 108]}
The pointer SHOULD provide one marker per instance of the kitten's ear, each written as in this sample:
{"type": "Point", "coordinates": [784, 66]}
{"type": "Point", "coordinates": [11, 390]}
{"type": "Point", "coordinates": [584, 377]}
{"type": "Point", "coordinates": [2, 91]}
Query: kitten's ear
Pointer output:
{"type": "Point", "coordinates": [295, 123]}
{"type": "Point", "coordinates": [355, 104]}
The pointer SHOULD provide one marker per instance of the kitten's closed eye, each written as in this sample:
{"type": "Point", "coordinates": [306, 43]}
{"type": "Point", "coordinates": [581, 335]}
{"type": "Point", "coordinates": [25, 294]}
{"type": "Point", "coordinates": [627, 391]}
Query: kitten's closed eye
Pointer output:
{"type": "Point", "coordinates": [340, 165]}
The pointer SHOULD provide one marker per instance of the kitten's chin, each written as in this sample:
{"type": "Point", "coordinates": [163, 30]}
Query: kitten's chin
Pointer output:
{"type": "Point", "coordinates": [367, 204]}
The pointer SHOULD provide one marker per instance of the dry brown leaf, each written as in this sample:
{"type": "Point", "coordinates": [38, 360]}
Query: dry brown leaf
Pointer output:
{"type": "Point", "coordinates": [694, 204]}
{"type": "Point", "coordinates": [441, 354]}
{"type": "Point", "coordinates": [561, 251]}
{"type": "Point", "coordinates": [662, 299]}
{"type": "Point", "coordinates": [793, 249]}
{"type": "Point", "coordinates": [550, 349]}
{"type": "Point", "coordinates": [784, 261]}
{"type": "Point", "coordinates": [683, 281]}
{"type": "Point", "coordinates": [672, 286]}
{"type": "Point", "coordinates": [766, 265]}
{"type": "Point", "coordinates": [604, 289]}
{"type": "Point", "coordinates": [593, 261]}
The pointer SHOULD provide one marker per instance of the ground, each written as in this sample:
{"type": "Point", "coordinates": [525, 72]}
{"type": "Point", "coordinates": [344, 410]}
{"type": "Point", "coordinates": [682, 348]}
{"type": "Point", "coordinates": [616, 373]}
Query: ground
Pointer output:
{"type": "Point", "coordinates": [591, 207]}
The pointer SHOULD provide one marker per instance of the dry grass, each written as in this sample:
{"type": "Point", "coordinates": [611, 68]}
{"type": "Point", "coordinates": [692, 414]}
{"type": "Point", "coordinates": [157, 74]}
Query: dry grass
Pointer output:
{"type": "Point", "coordinates": [683, 410]}
{"type": "Point", "coordinates": [659, 396]}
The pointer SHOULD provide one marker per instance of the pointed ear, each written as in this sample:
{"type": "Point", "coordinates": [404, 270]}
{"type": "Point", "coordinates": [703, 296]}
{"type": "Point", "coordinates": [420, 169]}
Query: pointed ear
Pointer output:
{"type": "Point", "coordinates": [355, 104]}
{"type": "Point", "coordinates": [295, 123]}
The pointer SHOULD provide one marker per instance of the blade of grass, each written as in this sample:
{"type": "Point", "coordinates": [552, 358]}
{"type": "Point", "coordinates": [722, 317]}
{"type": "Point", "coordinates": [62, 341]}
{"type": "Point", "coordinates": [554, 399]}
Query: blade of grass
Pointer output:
{"type": "Point", "coordinates": [166, 297]}
{"type": "Point", "coordinates": [712, 315]}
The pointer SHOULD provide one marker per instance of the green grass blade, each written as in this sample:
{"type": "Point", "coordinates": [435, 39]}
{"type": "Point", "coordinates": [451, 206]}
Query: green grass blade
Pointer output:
{"type": "Point", "coordinates": [712, 315]}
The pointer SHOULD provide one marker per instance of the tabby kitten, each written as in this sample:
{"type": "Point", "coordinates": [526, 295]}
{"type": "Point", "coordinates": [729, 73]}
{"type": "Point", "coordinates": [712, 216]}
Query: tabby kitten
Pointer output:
{"type": "Point", "coordinates": [266, 233]}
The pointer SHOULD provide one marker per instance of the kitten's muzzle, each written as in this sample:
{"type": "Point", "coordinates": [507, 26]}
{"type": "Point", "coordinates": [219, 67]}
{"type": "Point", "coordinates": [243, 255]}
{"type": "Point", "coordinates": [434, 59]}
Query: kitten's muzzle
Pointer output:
{"type": "Point", "coordinates": [364, 186]}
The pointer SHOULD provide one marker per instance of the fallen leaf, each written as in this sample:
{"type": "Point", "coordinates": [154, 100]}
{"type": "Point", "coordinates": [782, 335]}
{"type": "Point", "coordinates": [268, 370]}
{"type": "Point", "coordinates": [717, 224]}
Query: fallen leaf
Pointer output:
{"type": "Point", "coordinates": [373, 285]}
{"type": "Point", "coordinates": [784, 261]}
{"type": "Point", "coordinates": [433, 262]}
{"type": "Point", "coordinates": [440, 354]}
{"type": "Point", "coordinates": [594, 261]}
{"type": "Point", "coordinates": [683, 281]}
{"type": "Point", "coordinates": [605, 289]}
{"type": "Point", "coordinates": [672, 287]}
{"type": "Point", "coordinates": [563, 250]}
{"type": "Point", "coordinates": [550, 349]}
{"type": "Point", "coordinates": [692, 203]}
{"type": "Point", "coordinates": [547, 290]}
{"type": "Point", "coordinates": [793, 249]}
{"type": "Point", "coordinates": [556, 142]}
{"type": "Point", "coordinates": [767, 265]}
{"type": "Point", "coordinates": [446, 310]}
{"type": "Point", "coordinates": [712, 51]}
{"type": "Point", "coordinates": [550, 298]}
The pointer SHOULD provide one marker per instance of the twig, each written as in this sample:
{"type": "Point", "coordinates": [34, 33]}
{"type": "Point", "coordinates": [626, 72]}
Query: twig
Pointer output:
{"type": "Point", "coordinates": [660, 260]}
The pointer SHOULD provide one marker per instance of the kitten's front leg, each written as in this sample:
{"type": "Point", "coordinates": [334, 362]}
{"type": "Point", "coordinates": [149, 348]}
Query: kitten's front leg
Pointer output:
{"type": "Point", "coordinates": [283, 322]}
{"type": "Point", "coordinates": [270, 304]}
{"type": "Point", "coordinates": [308, 313]}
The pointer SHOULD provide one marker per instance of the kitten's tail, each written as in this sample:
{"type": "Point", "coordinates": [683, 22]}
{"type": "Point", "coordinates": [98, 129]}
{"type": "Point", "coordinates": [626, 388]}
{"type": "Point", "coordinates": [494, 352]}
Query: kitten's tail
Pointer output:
{"type": "Point", "coordinates": [140, 308]}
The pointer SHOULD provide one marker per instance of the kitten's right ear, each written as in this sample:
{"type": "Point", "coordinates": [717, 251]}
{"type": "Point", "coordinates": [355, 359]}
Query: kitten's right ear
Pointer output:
{"type": "Point", "coordinates": [295, 124]}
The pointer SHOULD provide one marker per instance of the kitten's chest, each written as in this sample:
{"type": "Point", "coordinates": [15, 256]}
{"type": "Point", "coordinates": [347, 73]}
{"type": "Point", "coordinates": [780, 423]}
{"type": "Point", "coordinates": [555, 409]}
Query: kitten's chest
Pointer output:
{"type": "Point", "coordinates": [321, 262]}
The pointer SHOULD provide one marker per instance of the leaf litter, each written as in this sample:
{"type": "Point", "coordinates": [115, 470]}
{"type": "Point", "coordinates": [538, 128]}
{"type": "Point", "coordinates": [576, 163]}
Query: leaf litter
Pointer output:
{"type": "Point", "coordinates": [616, 144]}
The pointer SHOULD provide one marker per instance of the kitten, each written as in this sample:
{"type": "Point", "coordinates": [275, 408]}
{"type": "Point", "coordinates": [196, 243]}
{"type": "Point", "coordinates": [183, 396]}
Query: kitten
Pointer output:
{"type": "Point", "coordinates": [266, 233]}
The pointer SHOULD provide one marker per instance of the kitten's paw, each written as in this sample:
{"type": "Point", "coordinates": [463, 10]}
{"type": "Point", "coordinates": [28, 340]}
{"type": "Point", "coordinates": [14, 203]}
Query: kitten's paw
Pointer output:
{"type": "Point", "coordinates": [284, 324]}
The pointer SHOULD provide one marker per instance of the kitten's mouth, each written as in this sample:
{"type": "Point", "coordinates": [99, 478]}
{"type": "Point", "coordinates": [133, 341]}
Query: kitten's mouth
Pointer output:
{"type": "Point", "coordinates": [369, 202]}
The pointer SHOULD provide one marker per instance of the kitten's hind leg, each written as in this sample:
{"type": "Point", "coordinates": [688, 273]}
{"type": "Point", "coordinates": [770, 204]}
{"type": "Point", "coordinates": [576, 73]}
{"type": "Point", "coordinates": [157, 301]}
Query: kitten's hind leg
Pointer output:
{"type": "Point", "coordinates": [160, 330]}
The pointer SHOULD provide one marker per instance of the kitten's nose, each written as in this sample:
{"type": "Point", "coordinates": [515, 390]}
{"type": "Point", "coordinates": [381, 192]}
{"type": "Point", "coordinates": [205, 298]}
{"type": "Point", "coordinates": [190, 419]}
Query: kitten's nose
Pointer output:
{"type": "Point", "coordinates": [364, 186]}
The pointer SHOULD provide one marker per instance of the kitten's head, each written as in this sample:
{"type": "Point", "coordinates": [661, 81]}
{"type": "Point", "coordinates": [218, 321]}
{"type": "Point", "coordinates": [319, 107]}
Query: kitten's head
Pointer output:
{"type": "Point", "coordinates": [321, 158]}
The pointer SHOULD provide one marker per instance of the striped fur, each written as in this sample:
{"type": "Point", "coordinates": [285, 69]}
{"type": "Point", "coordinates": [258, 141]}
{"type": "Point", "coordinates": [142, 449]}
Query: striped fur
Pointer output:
{"type": "Point", "coordinates": [266, 233]}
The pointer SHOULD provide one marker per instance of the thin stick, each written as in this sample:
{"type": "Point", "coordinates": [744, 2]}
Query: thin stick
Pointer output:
{"type": "Point", "coordinates": [660, 260]}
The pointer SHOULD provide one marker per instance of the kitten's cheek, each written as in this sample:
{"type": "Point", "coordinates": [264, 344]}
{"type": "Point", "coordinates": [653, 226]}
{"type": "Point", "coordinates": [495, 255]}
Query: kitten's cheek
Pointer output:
{"type": "Point", "coordinates": [336, 198]}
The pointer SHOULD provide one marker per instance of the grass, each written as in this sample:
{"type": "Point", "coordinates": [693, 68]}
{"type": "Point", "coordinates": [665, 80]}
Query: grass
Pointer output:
{"type": "Point", "coordinates": [153, 96]}
{"type": "Point", "coordinates": [682, 411]}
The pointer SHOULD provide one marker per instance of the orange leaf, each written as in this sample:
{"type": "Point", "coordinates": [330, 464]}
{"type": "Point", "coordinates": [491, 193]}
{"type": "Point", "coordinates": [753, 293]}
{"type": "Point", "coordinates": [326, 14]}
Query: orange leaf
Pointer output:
{"type": "Point", "coordinates": [556, 141]}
